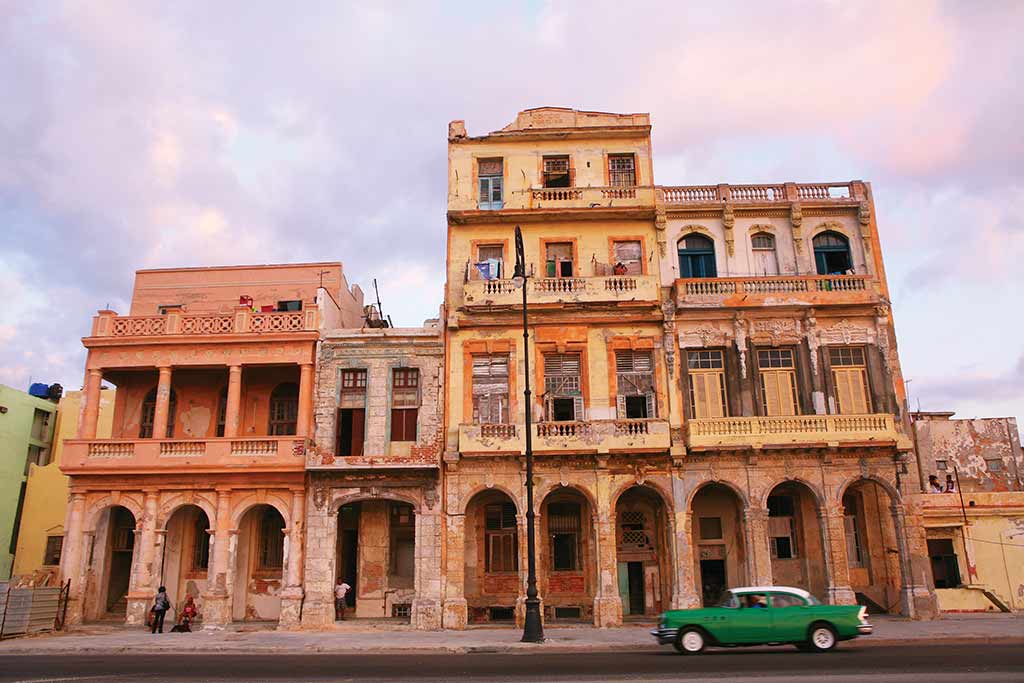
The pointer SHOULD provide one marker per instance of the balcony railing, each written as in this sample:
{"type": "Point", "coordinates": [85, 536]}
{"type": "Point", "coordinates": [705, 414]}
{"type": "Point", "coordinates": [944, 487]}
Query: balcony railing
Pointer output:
{"type": "Point", "coordinates": [143, 455]}
{"type": "Point", "coordinates": [241, 321]}
{"type": "Point", "coordinates": [580, 197]}
{"type": "Point", "coordinates": [775, 290]}
{"type": "Point", "coordinates": [794, 430]}
{"type": "Point", "coordinates": [770, 193]}
{"type": "Point", "coordinates": [594, 436]}
{"type": "Point", "coordinates": [604, 289]}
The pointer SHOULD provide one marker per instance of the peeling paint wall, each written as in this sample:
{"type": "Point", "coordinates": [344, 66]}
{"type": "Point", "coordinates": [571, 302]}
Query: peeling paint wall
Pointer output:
{"type": "Point", "coordinates": [986, 452]}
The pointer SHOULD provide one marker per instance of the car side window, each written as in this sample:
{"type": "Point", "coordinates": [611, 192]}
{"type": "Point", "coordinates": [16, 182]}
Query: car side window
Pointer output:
{"type": "Point", "coordinates": [787, 600]}
{"type": "Point", "coordinates": [754, 600]}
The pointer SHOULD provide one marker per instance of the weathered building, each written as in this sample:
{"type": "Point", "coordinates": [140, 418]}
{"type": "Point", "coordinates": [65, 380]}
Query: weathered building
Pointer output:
{"type": "Point", "coordinates": [201, 485]}
{"type": "Point", "coordinates": [374, 511]}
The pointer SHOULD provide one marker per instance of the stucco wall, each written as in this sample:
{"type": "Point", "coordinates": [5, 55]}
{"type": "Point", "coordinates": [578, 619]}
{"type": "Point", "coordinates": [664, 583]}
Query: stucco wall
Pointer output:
{"type": "Point", "coordinates": [971, 446]}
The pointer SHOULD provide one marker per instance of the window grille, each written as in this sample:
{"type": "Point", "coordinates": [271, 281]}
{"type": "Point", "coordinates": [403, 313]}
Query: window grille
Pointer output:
{"type": "Point", "coordinates": [622, 170]}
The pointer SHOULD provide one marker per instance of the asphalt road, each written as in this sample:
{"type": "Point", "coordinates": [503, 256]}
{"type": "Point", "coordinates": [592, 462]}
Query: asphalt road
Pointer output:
{"type": "Point", "coordinates": [934, 663]}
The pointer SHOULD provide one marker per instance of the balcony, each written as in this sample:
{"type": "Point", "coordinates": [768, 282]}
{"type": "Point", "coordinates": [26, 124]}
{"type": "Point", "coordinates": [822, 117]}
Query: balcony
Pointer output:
{"type": "Point", "coordinates": [122, 456]}
{"type": "Point", "coordinates": [779, 290]}
{"type": "Point", "coordinates": [177, 323]}
{"type": "Point", "coordinates": [580, 197]}
{"type": "Point", "coordinates": [802, 431]}
{"type": "Point", "coordinates": [780, 193]}
{"type": "Point", "coordinates": [597, 436]}
{"type": "Point", "coordinates": [613, 289]}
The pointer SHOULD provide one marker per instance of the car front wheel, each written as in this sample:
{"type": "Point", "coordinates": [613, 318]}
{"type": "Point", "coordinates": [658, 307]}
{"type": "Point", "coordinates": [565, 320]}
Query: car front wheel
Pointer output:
{"type": "Point", "coordinates": [690, 641]}
{"type": "Point", "coordinates": [821, 638]}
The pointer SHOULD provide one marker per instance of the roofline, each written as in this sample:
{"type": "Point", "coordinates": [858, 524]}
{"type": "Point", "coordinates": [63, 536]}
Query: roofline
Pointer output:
{"type": "Point", "coordinates": [242, 267]}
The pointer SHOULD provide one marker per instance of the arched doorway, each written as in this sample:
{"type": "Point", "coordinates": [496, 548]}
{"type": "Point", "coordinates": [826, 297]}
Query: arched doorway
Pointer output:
{"type": "Point", "coordinates": [696, 256]}
{"type": "Point", "coordinates": [642, 552]}
{"type": "Point", "coordinates": [795, 540]}
{"type": "Point", "coordinates": [717, 537]}
{"type": "Point", "coordinates": [492, 582]}
{"type": "Point", "coordinates": [566, 556]}
{"type": "Point", "coordinates": [186, 556]}
{"type": "Point", "coordinates": [832, 253]}
{"type": "Point", "coordinates": [375, 556]}
{"type": "Point", "coordinates": [872, 546]}
{"type": "Point", "coordinates": [114, 546]}
{"type": "Point", "coordinates": [259, 565]}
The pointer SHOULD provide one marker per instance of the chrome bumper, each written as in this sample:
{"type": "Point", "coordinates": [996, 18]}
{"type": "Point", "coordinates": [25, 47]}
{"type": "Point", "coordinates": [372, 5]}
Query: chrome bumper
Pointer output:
{"type": "Point", "coordinates": [665, 636]}
{"type": "Point", "coordinates": [864, 629]}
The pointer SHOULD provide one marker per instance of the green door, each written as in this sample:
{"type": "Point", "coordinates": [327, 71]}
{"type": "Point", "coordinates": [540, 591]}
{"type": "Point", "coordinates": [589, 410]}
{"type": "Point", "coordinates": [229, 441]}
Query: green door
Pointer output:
{"type": "Point", "coordinates": [750, 623]}
{"type": "Point", "coordinates": [790, 616]}
{"type": "Point", "coordinates": [623, 571]}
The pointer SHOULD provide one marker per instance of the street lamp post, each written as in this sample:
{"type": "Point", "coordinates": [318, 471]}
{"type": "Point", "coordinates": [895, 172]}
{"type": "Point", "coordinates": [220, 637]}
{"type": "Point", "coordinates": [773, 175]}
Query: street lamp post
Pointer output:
{"type": "Point", "coordinates": [533, 628]}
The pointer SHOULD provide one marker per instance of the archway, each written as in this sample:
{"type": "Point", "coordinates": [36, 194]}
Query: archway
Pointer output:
{"type": "Point", "coordinates": [794, 536]}
{"type": "Point", "coordinates": [717, 537]}
{"type": "Point", "coordinates": [566, 555]}
{"type": "Point", "coordinates": [375, 556]}
{"type": "Point", "coordinates": [114, 546]}
{"type": "Point", "coordinates": [492, 581]}
{"type": "Point", "coordinates": [872, 546]}
{"type": "Point", "coordinates": [832, 253]}
{"type": "Point", "coordinates": [642, 552]}
{"type": "Point", "coordinates": [259, 565]}
{"type": "Point", "coordinates": [186, 555]}
{"type": "Point", "coordinates": [696, 256]}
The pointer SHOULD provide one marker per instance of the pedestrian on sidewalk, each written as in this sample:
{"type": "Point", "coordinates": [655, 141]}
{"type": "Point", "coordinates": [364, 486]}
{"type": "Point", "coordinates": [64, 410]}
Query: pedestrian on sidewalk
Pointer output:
{"type": "Point", "coordinates": [160, 607]}
{"type": "Point", "coordinates": [340, 591]}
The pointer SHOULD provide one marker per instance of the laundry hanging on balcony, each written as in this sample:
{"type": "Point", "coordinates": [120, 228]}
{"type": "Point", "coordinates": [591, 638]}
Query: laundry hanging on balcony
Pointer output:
{"type": "Point", "coordinates": [489, 269]}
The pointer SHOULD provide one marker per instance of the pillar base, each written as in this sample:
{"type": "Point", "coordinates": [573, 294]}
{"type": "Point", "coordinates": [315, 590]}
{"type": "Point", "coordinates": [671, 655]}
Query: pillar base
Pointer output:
{"type": "Point", "coordinates": [291, 609]}
{"type": "Point", "coordinates": [216, 611]}
{"type": "Point", "coordinates": [137, 610]}
{"type": "Point", "coordinates": [520, 611]}
{"type": "Point", "coordinates": [318, 614]}
{"type": "Point", "coordinates": [455, 614]}
{"type": "Point", "coordinates": [917, 602]}
{"type": "Point", "coordinates": [841, 595]}
{"type": "Point", "coordinates": [607, 612]}
{"type": "Point", "coordinates": [426, 614]}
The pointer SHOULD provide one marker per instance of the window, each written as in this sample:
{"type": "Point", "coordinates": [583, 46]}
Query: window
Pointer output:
{"type": "Point", "coordinates": [402, 553]}
{"type": "Point", "coordinates": [945, 567]}
{"type": "Point", "coordinates": [849, 372]}
{"type": "Point", "coordinates": [706, 370]}
{"type": "Point", "coordinates": [37, 455]}
{"type": "Point", "coordinates": [500, 538]}
{"type": "Point", "coordinates": [832, 254]}
{"type": "Point", "coordinates": [291, 305]}
{"type": "Point", "coordinates": [765, 260]}
{"type": "Point", "coordinates": [563, 398]}
{"type": "Point", "coordinates": [778, 382]}
{"type": "Point", "coordinates": [941, 465]}
{"type": "Point", "coordinates": [222, 411]}
{"type": "Point", "coordinates": [564, 528]}
{"type": "Point", "coordinates": [490, 262]}
{"type": "Point", "coordinates": [40, 424]}
{"type": "Point", "coordinates": [622, 170]}
{"type": "Point", "coordinates": [490, 389]}
{"type": "Point", "coordinates": [353, 386]}
{"type": "Point", "coordinates": [696, 257]}
{"type": "Point", "coordinates": [558, 260]}
{"type": "Point", "coordinates": [851, 526]}
{"type": "Point", "coordinates": [54, 546]}
{"type": "Point", "coordinates": [490, 173]}
{"type": "Point", "coordinates": [780, 527]}
{"type": "Point", "coordinates": [201, 543]}
{"type": "Point", "coordinates": [627, 258]}
{"type": "Point", "coordinates": [271, 545]}
{"type": "Point", "coordinates": [710, 528]}
{"type": "Point", "coordinates": [557, 172]}
{"type": "Point", "coordinates": [780, 600]}
{"type": "Point", "coordinates": [633, 530]}
{"type": "Point", "coordinates": [634, 374]}
{"type": "Point", "coordinates": [284, 409]}
{"type": "Point", "coordinates": [149, 414]}
{"type": "Point", "coordinates": [351, 417]}
{"type": "Point", "coordinates": [994, 464]}
{"type": "Point", "coordinates": [405, 402]}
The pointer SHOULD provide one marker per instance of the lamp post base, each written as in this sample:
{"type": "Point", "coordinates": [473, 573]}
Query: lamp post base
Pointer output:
{"type": "Point", "coordinates": [533, 627]}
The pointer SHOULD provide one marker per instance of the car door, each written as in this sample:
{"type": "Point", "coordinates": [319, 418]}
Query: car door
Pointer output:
{"type": "Point", "coordinates": [790, 617]}
{"type": "Point", "coordinates": [752, 622]}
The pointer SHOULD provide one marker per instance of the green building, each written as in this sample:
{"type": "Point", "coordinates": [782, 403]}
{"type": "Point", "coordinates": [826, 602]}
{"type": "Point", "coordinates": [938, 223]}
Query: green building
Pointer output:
{"type": "Point", "coordinates": [26, 433]}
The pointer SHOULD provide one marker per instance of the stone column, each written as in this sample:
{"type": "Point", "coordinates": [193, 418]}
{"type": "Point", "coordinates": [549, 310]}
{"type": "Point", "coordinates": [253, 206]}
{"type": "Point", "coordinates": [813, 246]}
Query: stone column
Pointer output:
{"type": "Point", "coordinates": [320, 558]}
{"type": "Point", "coordinates": [759, 553]}
{"type": "Point", "coordinates": [917, 599]}
{"type": "Point", "coordinates": [305, 399]}
{"type": "Point", "coordinates": [831, 520]}
{"type": "Point", "coordinates": [216, 606]}
{"type": "Point", "coordinates": [232, 411]}
{"type": "Point", "coordinates": [72, 557]}
{"type": "Point", "coordinates": [426, 606]}
{"type": "Point", "coordinates": [607, 603]}
{"type": "Point", "coordinates": [684, 581]}
{"type": "Point", "coordinates": [91, 406]}
{"type": "Point", "coordinates": [291, 596]}
{"type": "Point", "coordinates": [454, 610]}
{"type": "Point", "coordinates": [163, 401]}
{"type": "Point", "coordinates": [142, 586]}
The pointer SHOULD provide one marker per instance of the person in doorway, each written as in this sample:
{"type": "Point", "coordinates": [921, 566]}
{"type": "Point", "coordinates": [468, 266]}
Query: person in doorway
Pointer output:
{"type": "Point", "coordinates": [340, 591]}
{"type": "Point", "coordinates": [160, 607]}
{"type": "Point", "coordinates": [189, 612]}
{"type": "Point", "coordinates": [934, 486]}
{"type": "Point", "coordinates": [950, 484]}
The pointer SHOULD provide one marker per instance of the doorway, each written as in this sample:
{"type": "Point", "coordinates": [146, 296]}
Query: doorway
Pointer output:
{"type": "Point", "coordinates": [712, 580]}
{"type": "Point", "coordinates": [348, 550]}
{"type": "Point", "coordinates": [122, 543]}
{"type": "Point", "coordinates": [350, 431]}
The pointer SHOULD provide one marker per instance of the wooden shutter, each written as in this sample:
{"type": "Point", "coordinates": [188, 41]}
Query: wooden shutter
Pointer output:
{"type": "Point", "coordinates": [707, 394]}
{"type": "Point", "coordinates": [620, 406]}
{"type": "Point", "coordinates": [778, 390]}
{"type": "Point", "coordinates": [851, 391]}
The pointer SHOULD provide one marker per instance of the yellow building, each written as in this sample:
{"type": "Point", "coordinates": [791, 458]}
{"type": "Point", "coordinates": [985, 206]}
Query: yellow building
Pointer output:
{"type": "Point", "coordinates": [41, 534]}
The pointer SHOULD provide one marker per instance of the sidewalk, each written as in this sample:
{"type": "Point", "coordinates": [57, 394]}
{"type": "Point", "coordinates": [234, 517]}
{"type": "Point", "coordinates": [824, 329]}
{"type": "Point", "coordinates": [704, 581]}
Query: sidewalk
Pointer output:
{"type": "Point", "coordinates": [353, 638]}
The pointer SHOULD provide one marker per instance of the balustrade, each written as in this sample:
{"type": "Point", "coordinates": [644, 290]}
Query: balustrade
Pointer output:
{"type": "Point", "coordinates": [792, 429]}
{"type": "Point", "coordinates": [770, 193]}
{"type": "Point", "coordinates": [754, 291]}
{"type": "Point", "coordinates": [242, 321]}
{"type": "Point", "coordinates": [276, 453]}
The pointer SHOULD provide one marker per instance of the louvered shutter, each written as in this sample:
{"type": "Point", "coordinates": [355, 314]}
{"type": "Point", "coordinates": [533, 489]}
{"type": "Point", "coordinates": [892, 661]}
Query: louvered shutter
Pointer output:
{"type": "Point", "coordinates": [851, 391]}
{"type": "Point", "coordinates": [577, 406]}
{"type": "Point", "coordinates": [620, 406]}
{"type": "Point", "coordinates": [707, 394]}
{"type": "Point", "coordinates": [652, 406]}
{"type": "Point", "coordinates": [779, 392]}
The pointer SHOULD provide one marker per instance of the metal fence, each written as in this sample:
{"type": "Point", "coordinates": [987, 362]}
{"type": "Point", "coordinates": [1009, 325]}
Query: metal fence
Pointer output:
{"type": "Point", "coordinates": [31, 610]}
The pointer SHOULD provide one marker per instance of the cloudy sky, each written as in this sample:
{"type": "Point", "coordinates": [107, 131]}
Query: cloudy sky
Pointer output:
{"type": "Point", "coordinates": [138, 135]}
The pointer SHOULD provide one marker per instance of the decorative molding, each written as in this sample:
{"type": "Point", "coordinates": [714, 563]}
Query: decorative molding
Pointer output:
{"type": "Point", "coordinates": [728, 222]}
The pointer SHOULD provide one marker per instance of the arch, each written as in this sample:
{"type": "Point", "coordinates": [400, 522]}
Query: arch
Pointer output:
{"type": "Point", "coordinates": [666, 497]}
{"type": "Point", "coordinates": [148, 413]}
{"type": "Point", "coordinates": [177, 501]}
{"type": "Point", "coordinates": [696, 253]}
{"type": "Point", "coordinates": [557, 487]}
{"type": "Point", "coordinates": [261, 557]}
{"type": "Point", "coordinates": [252, 500]}
{"type": "Point", "coordinates": [739, 493]}
{"type": "Point", "coordinates": [105, 503]}
{"type": "Point", "coordinates": [719, 534]}
{"type": "Point", "coordinates": [796, 536]}
{"type": "Point", "coordinates": [481, 488]}
{"type": "Point", "coordinates": [894, 496]}
{"type": "Point", "coordinates": [283, 416]}
{"type": "Point", "coordinates": [341, 501]}
{"type": "Point", "coordinates": [185, 559]}
{"type": "Point", "coordinates": [832, 253]}
{"type": "Point", "coordinates": [819, 496]}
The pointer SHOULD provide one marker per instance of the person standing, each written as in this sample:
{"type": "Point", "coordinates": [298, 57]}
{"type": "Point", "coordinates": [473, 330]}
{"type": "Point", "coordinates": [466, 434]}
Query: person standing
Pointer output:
{"type": "Point", "coordinates": [934, 486]}
{"type": "Point", "coordinates": [160, 607]}
{"type": "Point", "coordinates": [950, 484]}
{"type": "Point", "coordinates": [340, 591]}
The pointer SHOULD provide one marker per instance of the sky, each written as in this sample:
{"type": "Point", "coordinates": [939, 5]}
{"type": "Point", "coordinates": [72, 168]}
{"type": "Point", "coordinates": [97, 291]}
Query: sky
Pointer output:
{"type": "Point", "coordinates": [155, 134]}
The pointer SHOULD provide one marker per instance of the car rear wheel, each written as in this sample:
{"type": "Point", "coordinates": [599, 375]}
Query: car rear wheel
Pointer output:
{"type": "Point", "coordinates": [821, 638]}
{"type": "Point", "coordinates": [690, 641]}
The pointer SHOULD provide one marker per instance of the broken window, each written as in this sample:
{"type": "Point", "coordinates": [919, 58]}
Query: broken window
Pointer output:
{"type": "Point", "coordinates": [559, 259]}
{"type": "Point", "coordinates": [557, 172]}
{"type": "Point", "coordinates": [851, 527]}
{"type": "Point", "coordinates": [54, 546]}
{"type": "Point", "coordinates": [563, 397]}
{"type": "Point", "coordinates": [706, 370]}
{"type": "Point", "coordinates": [849, 372]}
{"type": "Point", "coordinates": [284, 409]}
{"type": "Point", "coordinates": [634, 373]}
{"type": "Point", "coordinates": [622, 170]}
{"type": "Point", "coordinates": [780, 527]}
{"type": "Point", "coordinates": [149, 413]}
{"type": "Point", "coordinates": [351, 418]}
{"type": "Point", "coordinates": [270, 553]}
{"type": "Point", "coordinates": [490, 389]}
{"type": "Point", "coordinates": [405, 402]}
{"type": "Point", "coordinates": [564, 529]}
{"type": "Point", "coordinates": [777, 370]}
{"type": "Point", "coordinates": [490, 173]}
{"type": "Point", "coordinates": [500, 538]}
{"type": "Point", "coordinates": [628, 258]}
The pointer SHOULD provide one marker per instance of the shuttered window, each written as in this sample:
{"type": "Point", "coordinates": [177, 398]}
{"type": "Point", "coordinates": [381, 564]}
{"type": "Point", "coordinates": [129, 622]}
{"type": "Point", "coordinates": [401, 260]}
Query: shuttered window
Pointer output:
{"type": "Point", "coordinates": [634, 381]}
{"type": "Point", "coordinates": [490, 172]}
{"type": "Point", "coordinates": [490, 389]}
{"type": "Point", "coordinates": [849, 372]}
{"type": "Point", "coordinates": [621, 170]}
{"type": "Point", "coordinates": [778, 382]}
{"type": "Point", "coordinates": [500, 538]}
{"type": "Point", "coordinates": [562, 393]}
{"type": "Point", "coordinates": [707, 383]}
{"type": "Point", "coordinates": [557, 172]}
{"type": "Point", "coordinates": [405, 401]}
{"type": "Point", "coordinates": [628, 256]}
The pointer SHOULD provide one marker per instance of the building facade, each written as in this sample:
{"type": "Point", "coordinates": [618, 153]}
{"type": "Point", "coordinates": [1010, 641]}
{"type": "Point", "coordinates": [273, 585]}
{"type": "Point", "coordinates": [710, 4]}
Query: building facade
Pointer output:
{"type": "Point", "coordinates": [201, 485]}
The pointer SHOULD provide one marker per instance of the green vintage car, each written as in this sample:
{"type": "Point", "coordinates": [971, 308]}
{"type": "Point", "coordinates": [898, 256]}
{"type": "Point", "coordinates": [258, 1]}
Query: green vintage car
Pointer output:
{"type": "Point", "coordinates": [763, 615]}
